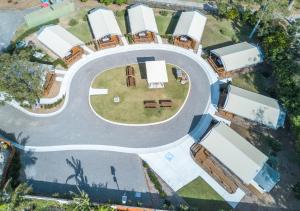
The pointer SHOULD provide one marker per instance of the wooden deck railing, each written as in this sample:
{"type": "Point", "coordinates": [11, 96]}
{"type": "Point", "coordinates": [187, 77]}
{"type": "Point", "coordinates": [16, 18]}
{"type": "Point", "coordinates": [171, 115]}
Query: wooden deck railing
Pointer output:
{"type": "Point", "coordinates": [189, 44]}
{"type": "Point", "coordinates": [50, 79]}
{"type": "Point", "coordinates": [208, 163]}
{"type": "Point", "coordinates": [76, 53]}
{"type": "Point", "coordinates": [150, 37]}
{"type": "Point", "coordinates": [113, 42]}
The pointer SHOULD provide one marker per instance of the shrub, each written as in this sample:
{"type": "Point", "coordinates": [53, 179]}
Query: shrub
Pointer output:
{"type": "Point", "coordinates": [225, 31]}
{"type": "Point", "coordinates": [273, 143]}
{"type": "Point", "coordinates": [296, 190]}
{"type": "Point", "coordinates": [129, 38]}
{"type": "Point", "coordinates": [163, 12]}
{"type": "Point", "coordinates": [106, 2]}
{"type": "Point", "coordinates": [85, 18]}
{"type": "Point", "coordinates": [154, 180]}
{"type": "Point", "coordinates": [59, 62]}
{"type": "Point", "coordinates": [83, 0]}
{"type": "Point", "coordinates": [232, 14]}
{"type": "Point", "coordinates": [49, 106]}
{"type": "Point", "coordinates": [120, 2]}
{"type": "Point", "coordinates": [73, 22]}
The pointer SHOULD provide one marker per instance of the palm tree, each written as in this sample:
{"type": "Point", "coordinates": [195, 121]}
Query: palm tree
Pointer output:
{"type": "Point", "coordinates": [82, 201]}
{"type": "Point", "coordinates": [14, 197]}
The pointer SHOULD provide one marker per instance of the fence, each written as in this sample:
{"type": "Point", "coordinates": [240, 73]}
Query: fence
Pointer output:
{"type": "Point", "coordinates": [44, 15]}
{"type": "Point", "coordinates": [176, 5]}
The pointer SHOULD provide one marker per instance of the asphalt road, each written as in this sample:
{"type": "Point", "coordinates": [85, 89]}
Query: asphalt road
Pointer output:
{"type": "Point", "coordinates": [77, 124]}
{"type": "Point", "coordinates": [58, 172]}
{"type": "Point", "coordinates": [10, 21]}
{"type": "Point", "coordinates": [103, 175]}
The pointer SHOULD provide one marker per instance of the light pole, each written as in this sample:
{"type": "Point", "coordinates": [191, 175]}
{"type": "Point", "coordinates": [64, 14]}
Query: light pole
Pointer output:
{"type": "Point", "coordinates": [258, 22]}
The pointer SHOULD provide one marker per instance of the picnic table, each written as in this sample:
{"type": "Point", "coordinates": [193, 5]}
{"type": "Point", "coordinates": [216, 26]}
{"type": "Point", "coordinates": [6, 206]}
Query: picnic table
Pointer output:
{"type": "Point", "coordinates": [150, 104]}
{"type": "Point", "coordinates": [165, 103]}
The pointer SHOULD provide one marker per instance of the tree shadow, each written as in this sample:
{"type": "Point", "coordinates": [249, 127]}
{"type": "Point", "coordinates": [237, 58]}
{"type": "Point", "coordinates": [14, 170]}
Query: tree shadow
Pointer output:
{"type": "Point", "coordinates": [28, 158]}
{"type": "Point", "coordinates": [127, 24]}
{"type": "Point", "coordinates": [13, 138]}
{"type": "Point", "coordinates": [79, 177]}
{"type": "Point", "coordinates": [219, 45]}
{"type": "Point", "coordinates": [142, 65]}
{"type": "Point", "coordinates": [174, 20]}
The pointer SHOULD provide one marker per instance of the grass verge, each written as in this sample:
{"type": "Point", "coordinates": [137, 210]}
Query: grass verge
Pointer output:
{"type": "Point", "coordinates": [199, 195]}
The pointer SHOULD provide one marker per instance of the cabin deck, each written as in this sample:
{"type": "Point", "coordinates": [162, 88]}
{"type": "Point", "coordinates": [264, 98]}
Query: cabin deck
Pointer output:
{"type": "Point", "coordinates": [212, 166]}
{"type": "Point", "coordinates": [113, 41]}
{"type": "Point", "coordinates": [188, 44]}
{"type": "Point", "coordinates": [148, 38]}
{"type": "Point", "coordinates": [76, 53]}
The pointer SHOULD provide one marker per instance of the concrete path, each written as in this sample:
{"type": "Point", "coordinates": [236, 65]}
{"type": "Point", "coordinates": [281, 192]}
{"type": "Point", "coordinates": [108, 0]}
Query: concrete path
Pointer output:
{"type": "Point", "coordinates": [59, 79]}
{"type": "Point", "coordinates": [98, 91]}
{"type": "Point", "coordinates": [87, 49]}
{"type": "Point", "coordinates": [60, 72]}
{"type": "Point", "coordinates": [159, 39]}
{"type": "Point", "coordinates": [176, 167]}
{"type": "Point", "coordinates": [124, 40]}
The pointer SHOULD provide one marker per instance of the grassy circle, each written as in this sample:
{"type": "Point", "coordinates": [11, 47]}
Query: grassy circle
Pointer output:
{"type": "Point", "coordinates": [130, 109]}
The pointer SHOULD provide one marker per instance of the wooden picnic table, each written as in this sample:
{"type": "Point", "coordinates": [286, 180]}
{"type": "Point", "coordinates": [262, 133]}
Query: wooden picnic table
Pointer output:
{"type": "Point", "coordinates": [150, 104]}
{"type": "Point", "coordinates": [165, 103]}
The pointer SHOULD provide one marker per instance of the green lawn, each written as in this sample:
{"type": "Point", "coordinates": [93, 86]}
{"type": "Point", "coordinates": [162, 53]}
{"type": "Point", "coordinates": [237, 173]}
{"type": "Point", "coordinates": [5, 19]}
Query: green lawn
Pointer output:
{"type": "Point", "coordinates": [131, 108]}
{"type": "Point", "coordinates": [120, 16]}
{"type": "Point", "coordinates": [199, 195]}
{"type": "Point", "coordinates": [256, 81]}
{"type": "Point", "coordinates": [221, 31]}
{"type": "Point", "coordinates": [82, 31]}
{"type": "Point", "coordinates": [166, 24]}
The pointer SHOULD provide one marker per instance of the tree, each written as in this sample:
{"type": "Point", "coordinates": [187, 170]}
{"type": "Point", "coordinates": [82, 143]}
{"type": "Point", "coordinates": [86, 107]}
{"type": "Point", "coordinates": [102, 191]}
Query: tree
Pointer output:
{"type": "Point", "coordinates": [296, 190]}
{"type": "Point", "coordinates": [14, 197]}
{"type": "Point", "coordinates": [232, 13]}
{"type": "Point", "coordinates": [120, 2]}
{"type": "Point", "coordinates": [106, 2]}
{"type": "Point", "coordinates": [20, 79]}
{"type": "Point", "coordinates": [82, 201]}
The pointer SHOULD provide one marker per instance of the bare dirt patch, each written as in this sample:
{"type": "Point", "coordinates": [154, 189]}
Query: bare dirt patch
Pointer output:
{"type": "Point", "coordinates": [18, 4]}
{"type": "Point", "coordinates": [54, 90]}
{"type": "Point", "coordinates": [282, 195]}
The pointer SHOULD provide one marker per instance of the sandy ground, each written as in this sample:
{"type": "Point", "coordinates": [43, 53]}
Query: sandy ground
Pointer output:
{"type": "Point", "coordinates": [18, 4]}
{"type": "Point", "coordinates": [54, 89]}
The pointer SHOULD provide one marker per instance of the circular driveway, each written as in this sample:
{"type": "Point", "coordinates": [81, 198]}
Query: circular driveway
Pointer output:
{"type": "Point", "coordinates": [77, 124]}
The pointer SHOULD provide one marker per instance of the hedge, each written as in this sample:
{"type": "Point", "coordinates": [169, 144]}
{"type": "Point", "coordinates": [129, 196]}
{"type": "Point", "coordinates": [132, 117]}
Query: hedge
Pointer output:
{"type": "Point", "coordinates": [154, 180]}
{"type": "Point", "coordinates": [49, 106]}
